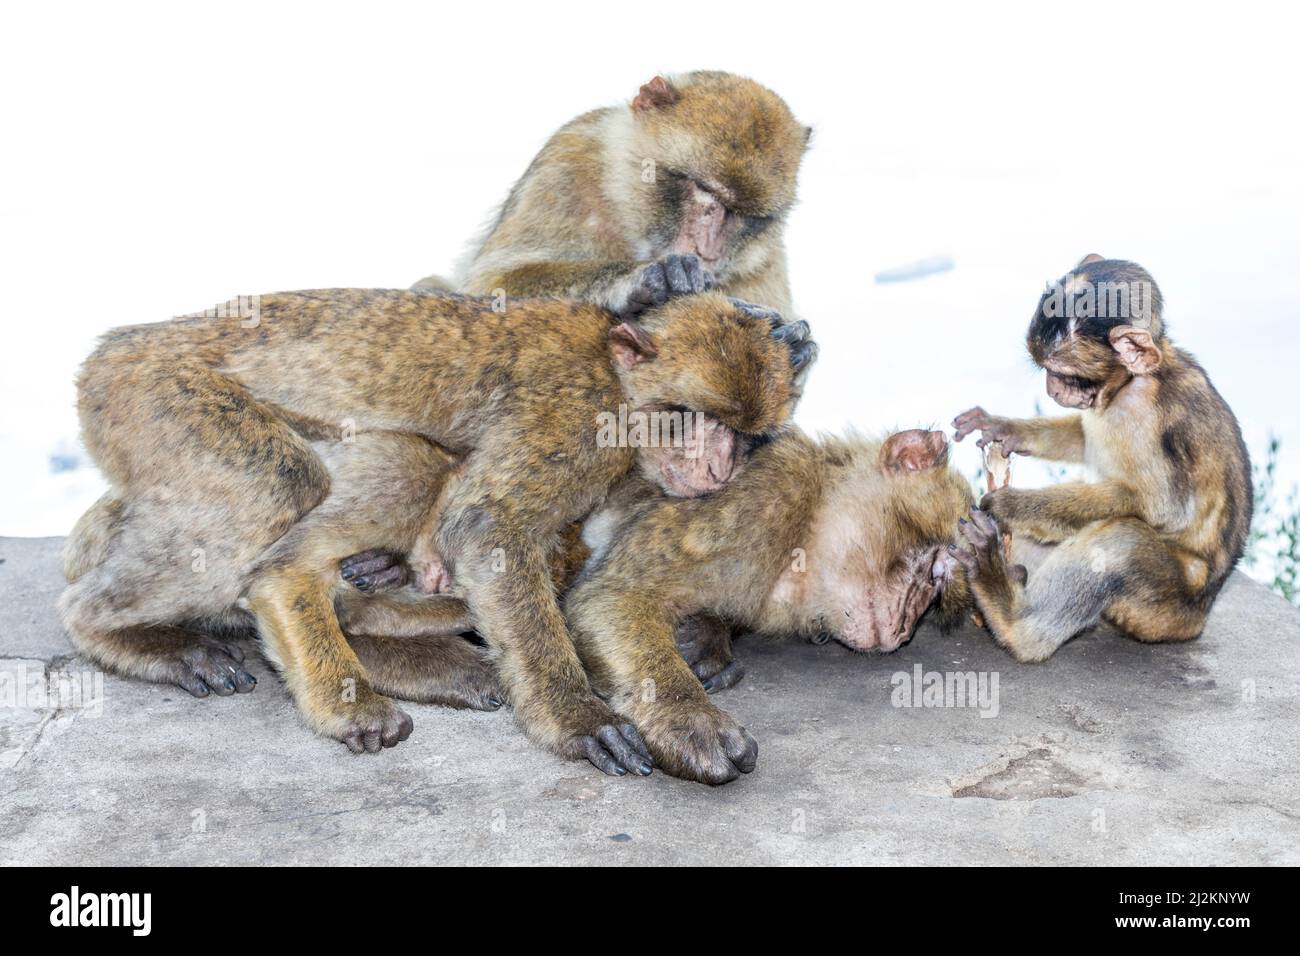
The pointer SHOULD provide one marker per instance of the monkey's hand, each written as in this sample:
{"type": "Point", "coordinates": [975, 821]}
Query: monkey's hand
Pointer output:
{"type": "Point", "coordinates": [991, 428]}
{"type": "Point", "coordinates": [590, 729]}
{"type": "Point", "coordinates": [1007, 506]}
{"type": "Point", "coordinates": [374, 570]}
{"type": "Point", "coordinates": [705, 644]}
{"type": "Point", "coordinates": [797, 334]}
{"type": "Point", "coordinates": [986, 559]}
{"type": "Point", "coordinates": [666, 279]}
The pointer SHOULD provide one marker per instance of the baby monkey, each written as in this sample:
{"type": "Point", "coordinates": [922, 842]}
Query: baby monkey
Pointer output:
{"type": "Point", "coordinates": [1146, 547]}
{"type": "Point", "coordinates": [840, 537]}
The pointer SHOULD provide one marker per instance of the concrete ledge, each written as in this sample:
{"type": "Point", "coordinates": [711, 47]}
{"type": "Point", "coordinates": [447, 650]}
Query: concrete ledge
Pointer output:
{"type": "Point", "coordinates": [1112, 752]}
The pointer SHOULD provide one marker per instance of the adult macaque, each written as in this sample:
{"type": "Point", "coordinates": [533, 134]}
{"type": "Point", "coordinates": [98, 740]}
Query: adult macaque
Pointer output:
{"type": "Point", "coordinates": [841, 537]}
{"type": "Point", "coordinates": [225, 469]}
{"type": "Point", "coordinates": [683, 189]}
{"type": "Point", "coordinates": [1148, 545]}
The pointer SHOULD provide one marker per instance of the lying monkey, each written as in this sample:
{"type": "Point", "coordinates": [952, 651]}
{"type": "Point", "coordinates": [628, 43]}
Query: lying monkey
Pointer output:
{"type": "Point", "coordinates": [202, 427]}
{"type": "Point", "coordinates": [1146, 547]}
{"type": "Point", "coordinates": [841, 536]}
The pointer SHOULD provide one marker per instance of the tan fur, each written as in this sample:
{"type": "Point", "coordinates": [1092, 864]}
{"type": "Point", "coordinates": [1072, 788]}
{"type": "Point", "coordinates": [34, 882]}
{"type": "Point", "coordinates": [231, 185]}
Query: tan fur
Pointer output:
{"type": "Point", "coordinates": [205, 429]}
{"type": "Point", "coordinates": [1149, 543]}
{"type": "Point", "coordinates": [597, 203]}
{"type": "Point", "coordinates": [810, 534]}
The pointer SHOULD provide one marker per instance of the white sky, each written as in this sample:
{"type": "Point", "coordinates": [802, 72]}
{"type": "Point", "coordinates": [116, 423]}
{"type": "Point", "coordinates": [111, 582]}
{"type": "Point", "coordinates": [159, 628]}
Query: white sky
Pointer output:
{"type": "Point", "coordinates": [159, 158]}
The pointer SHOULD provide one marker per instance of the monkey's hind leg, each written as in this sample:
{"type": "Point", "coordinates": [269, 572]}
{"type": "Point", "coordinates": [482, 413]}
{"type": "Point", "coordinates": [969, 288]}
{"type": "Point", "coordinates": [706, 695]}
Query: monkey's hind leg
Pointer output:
{"type": "Point", "coordinates": [301, 634]}
{"type": "Point", "coordinates": [412, 649]}
{"type": "Point", "coordinates": [1118, 570]}
{"type": "Point", "coordinates": [705, 644]}
{"type": "Point", "coordinates": [167, 655]}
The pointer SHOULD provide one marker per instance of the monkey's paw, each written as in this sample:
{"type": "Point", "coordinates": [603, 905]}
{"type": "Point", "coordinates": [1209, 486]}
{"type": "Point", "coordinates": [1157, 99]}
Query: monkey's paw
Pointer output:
{"type": "Point", "coordinates": [1005, 505]}
{"type": "Point", "coordinates": [705, 645]}
{"type": "Point", "coordinates": [986, 559]}
{"type": "Point", "coordinates": [670, 277]}
{"type": "Point", "coordinates": [374, 570]}
{"type": "Point", "coordinates": [371, 723]}
{"type": "Point", "coordinates": [588, 729]}
{"type": "Point", "coordinates": [991, 429]}
{"type": "Point", "coordinates": [698, 742]}
{"type": "Point", "coordinates": [212, 666]}
{"type": "Point", "coordinates": [797, 334]}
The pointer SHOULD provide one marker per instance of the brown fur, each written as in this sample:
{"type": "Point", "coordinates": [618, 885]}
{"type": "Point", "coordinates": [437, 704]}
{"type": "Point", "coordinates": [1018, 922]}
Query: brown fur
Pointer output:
{"type": "Point", "coordinates": [814, 537]}
{"type": "Point", "coordinates": [583, 222]}
{"type": "Point", "coordinates": [201, 426]}
{"type": "Point", "coordinates": [1150, 543]}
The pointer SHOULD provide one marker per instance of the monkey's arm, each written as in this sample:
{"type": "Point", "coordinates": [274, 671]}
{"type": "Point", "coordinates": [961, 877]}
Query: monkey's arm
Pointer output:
{"type": "Point", "coordinates": [620, 285]}
{"type": "Point", "coordinates": [1054, 438]}
{"type": "Point", "coordinates": [1055, 513]}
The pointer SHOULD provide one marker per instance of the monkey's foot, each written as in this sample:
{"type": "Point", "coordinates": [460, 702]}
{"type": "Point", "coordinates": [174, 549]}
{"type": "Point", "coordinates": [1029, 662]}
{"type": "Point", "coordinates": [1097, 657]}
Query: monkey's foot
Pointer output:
{"type": "Point", "coordinates": [705, 644]}
{"type": "Point", "coordinates": [373, 570]}
{"type": "Point", "coordinates": [470, 684]}
{"type": "Point", "coordinates": [211, 666]}
{"type": "Point", "coordinates": [594, 732]}
{"type": "Point", "coordinates": [670, 277]}
{"type": "Point", "coordinates": [697, 741]}
{"type": "Point", "coordinates": [370, 724]}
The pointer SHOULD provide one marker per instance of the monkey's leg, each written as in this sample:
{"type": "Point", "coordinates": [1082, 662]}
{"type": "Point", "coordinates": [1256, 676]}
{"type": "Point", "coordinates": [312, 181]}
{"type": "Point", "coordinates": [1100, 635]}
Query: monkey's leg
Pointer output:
{"type": "Point", "coordinates": [296, 618]}
{"type": "Point", "coordinates": [705, 644]}
{"type": "Point", "coordinates": [411, 648]}
{"type": "Point", "coordinates": [1055, 513]}
{"type": "Point", "coordinates": [167, 655]}
{"type": "Point", "coordinates": [1115, 570]}
{"type": "Point", "coordinates": [627, 639]}
{"type": "Point", "coordinates": [505, 571]}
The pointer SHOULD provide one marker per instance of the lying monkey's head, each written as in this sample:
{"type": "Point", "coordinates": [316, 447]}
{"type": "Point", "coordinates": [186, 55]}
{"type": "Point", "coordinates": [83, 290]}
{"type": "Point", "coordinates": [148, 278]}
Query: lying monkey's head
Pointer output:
{"type": "Point", "coordinates": [725, 152]}
{"type": "Point", "coordinates": [1096, 328]}
{"type": "Point", "coordinates": [734, 364]}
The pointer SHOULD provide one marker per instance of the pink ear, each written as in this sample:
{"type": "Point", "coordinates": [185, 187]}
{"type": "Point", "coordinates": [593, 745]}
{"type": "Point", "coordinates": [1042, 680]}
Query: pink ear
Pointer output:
{"type": "Point", "coordinates": [1089, 259]}
{"type": "Point", "coordinates": [631, 345]}
{"type": "Point", "coordinates": [911, 450]}
{"type": "Point", "coordinates": [655, 94]}
{"type": "Point", "coordinates": [1137, 351]}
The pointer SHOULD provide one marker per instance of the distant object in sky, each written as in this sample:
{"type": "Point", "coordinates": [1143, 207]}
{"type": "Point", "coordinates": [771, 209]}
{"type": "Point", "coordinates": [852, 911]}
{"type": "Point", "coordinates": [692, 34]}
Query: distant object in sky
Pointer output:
{"type": "Point", "coordinates": [916, 270]}
{"type": "Point", "coordinates": [66, 457]}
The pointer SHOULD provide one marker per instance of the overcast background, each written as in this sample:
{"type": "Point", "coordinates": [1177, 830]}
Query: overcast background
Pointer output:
{"type": "Point", "coordinates": [159, 158]}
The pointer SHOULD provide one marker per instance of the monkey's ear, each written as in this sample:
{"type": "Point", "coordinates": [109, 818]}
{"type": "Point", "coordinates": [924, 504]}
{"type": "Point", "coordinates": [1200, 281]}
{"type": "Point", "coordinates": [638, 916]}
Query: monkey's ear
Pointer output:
{"type": "Point", "coordinates": [807, 136]}
{"type": "Point", "coordinates": [1138, 352]}
{"type": "Point", "coordinates": [1089, 259]}
{"type": "Point", "coordinates": [655, 94]}
{"type": "Point", "coordinates": [631, 345]}
{"type": "Point", "coordinates": [908, 451]}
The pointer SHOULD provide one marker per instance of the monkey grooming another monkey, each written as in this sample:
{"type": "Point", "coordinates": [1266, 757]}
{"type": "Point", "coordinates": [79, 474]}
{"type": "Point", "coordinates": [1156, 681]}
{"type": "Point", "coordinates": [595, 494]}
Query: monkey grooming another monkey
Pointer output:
{"type": "Point", "coordinates": [1147, 546]}
{"type": "Point", "coordinates": [845, 537]}
{"type": "Point", "coordinates": [685, 188]}
{"type": "Point", "coordinates": [202, 427]}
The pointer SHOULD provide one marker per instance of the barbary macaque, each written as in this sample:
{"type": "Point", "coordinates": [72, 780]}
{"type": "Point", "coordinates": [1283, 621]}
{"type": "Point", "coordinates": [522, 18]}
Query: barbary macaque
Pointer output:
{"type": "Point", "coordinates": [1148, 545]}
{"type": "Point", "coordinates": [685, 188]}
{"type": "Point", "coordinates": [846, 537]}
{"type": "Point", "coordinates": [201, 522]}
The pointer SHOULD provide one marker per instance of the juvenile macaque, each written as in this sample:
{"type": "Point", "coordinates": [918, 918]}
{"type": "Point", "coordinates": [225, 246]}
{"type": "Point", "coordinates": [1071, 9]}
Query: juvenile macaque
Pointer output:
{"type": "Point", "coordinates": [840, 537]}
{"type": "Point", "coordinates": [684, 189]}
{"type": "Point", "coordinates": [1147, 546]}
{"type": "Point", "coordinates": [204, 427]}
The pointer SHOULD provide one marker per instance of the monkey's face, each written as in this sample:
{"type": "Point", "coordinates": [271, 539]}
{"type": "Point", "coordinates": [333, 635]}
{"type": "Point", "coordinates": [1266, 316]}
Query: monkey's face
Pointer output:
{"type": "Point", "coordinates": [726, 156]}
{"type": "Point", "coordinates": [1082, 330]}
{"type": "Point", "coordinates": [720, 370]}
